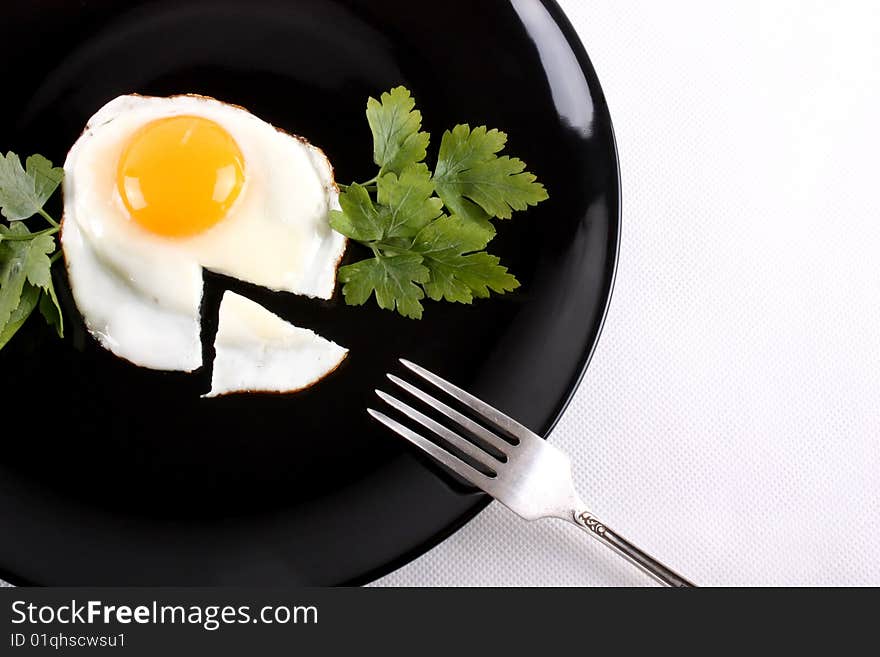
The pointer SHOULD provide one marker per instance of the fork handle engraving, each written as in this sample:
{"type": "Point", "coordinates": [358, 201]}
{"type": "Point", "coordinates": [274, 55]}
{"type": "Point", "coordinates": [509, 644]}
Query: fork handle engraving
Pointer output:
{"type": "Point", "coordinates": [599, 530]}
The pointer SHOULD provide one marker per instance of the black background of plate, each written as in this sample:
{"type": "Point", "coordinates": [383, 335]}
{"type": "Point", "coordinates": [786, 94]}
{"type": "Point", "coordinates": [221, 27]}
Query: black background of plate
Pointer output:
{"type": "Point", "coordinates": [114, 474]}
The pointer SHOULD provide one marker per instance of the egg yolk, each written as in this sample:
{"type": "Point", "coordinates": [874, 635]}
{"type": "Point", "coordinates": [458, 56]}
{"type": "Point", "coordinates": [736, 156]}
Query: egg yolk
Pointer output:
{"type": "Point", "coordinates": [179, 176]}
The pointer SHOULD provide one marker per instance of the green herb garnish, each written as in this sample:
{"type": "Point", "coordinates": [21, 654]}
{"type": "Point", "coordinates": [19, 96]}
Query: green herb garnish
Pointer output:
{"type": "Point", "coordinates": [428, 231]}
{"type": "Point", "coordinates": [26, 258]}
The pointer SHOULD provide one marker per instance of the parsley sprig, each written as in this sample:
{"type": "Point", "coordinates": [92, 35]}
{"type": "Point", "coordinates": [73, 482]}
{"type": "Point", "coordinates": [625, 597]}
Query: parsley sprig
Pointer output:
{"type": "Point", "coordinates": [428, 231]}
{"type": "Point", "coordinates": [26, 257]}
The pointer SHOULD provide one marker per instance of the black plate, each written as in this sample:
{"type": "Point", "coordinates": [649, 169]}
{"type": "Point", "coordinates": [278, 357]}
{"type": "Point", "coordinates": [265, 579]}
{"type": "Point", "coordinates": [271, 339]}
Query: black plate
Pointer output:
{"type": "Point", "coordinates": [121, 475]}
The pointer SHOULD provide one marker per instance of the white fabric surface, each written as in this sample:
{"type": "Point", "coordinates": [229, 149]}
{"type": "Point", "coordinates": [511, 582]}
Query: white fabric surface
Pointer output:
{"type": "Point", "coordinates": [730, 419]}
{"type": "Point", "coordinates": [729, 422]}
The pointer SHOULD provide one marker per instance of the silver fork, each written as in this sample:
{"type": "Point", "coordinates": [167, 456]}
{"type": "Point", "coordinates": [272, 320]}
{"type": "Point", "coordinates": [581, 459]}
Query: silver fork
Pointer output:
{"type": "Point", "coordinates": [531, 477]}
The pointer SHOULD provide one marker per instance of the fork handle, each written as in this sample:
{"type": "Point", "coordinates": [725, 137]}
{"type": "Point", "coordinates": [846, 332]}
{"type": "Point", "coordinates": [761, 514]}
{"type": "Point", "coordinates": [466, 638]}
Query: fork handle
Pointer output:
{"type": "Point", "coordinates": [599, 530]}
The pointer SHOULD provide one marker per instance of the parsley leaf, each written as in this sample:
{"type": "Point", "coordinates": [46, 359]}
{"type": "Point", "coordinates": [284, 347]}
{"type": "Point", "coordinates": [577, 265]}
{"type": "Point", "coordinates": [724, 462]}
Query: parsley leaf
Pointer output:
{"type": "Point", "coordinates": [24, 192]}
{"type": "Point", "coordinates": [50, 309]}
{"type": "Point", "coordinates": [469, 169]}
{"type": "Point", "coordinates": [409, 199]}
{"type": "Point", "coordinates": [456, 275]}
{"type": "Point", "coordinates": [21, 261]}
{"type": "Point", "coordinates": [26, 304]}
{"type": "Point", "coordinates": [396, 127]}
{"type": "Point", "coordinates": [359, 219]}
{"type": "Point", "coordinates": [31, 254]}
{"type": "Point", "coordinates": [405, 206]}
{"type": "Point", "coordinates": [451, 233]}
{"type": "Point", "coordinates": [25, 266]}
{"type": "Point", "coordinates": [391, 278]}
{"type": "Point", "coordinates": [461, 278]}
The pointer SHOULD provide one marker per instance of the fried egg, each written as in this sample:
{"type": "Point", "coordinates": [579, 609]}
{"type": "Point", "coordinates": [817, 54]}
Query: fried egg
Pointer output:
{"type": "Point", "coordinates": [156, 189]}
{"type": "Point", "coordinates": [257, 351]}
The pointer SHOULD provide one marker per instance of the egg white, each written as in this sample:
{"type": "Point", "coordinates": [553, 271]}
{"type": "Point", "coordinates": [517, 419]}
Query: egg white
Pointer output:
{"type": "Point", "coordinates": [257, 351]}
{"type": "Point", "coordinates": [161, 333]}
{"type": "Point", "coordinates": [139, 293]}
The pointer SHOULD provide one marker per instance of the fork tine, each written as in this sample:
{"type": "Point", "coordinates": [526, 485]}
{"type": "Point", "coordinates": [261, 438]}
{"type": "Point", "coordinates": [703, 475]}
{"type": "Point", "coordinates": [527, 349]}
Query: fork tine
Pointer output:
{"type": "Point", "coordinates": [478, 430]}
{"type": "Point", "coordinates": [459, 467]}
{"type": "Point", "coordinates": [491, 415]}
{"type": "Point", "coordinates": [483, 458]}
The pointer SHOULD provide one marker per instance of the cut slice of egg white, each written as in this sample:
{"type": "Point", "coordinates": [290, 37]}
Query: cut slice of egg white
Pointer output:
{"type": "Point", "coordinates": [257, 351]}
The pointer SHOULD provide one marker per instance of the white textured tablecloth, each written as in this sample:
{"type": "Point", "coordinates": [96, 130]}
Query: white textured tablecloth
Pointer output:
{"type": "Point", "coordinates": [730, 419]}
